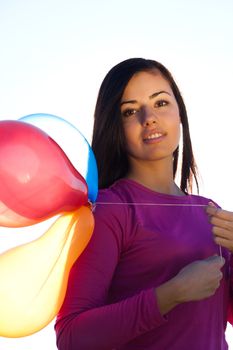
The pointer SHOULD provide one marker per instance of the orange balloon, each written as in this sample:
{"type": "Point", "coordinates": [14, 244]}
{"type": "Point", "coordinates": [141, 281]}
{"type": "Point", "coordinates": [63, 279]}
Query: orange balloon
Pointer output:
{"type": "Point", "coordinates": [34, 276]}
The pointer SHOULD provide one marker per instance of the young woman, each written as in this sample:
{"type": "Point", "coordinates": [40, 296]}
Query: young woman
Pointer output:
{"type": "Point", "coordinates": [153, 276]}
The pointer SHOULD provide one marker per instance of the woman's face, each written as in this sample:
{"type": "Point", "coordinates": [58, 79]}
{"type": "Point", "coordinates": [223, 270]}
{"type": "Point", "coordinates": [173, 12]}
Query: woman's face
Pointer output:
{"type": "Point", "coordinates": [150, 117]}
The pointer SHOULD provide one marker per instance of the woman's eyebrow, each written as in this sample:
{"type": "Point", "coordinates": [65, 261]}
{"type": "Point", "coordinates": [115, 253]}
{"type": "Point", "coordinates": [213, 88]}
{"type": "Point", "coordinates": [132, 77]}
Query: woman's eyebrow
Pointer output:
{"type": "Point", "coordinates": [128, 101]}
{"type": "Point", "coordinates": [150, 97]}
{"type": "Point", "coordinates": [158, 93]}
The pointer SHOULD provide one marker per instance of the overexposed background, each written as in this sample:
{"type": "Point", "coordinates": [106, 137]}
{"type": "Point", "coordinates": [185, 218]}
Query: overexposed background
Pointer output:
{"type": "Point", "coordinates": [55, 53]}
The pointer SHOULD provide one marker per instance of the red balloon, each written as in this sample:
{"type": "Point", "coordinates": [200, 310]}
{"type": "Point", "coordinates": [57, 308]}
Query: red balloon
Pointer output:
{"type": "Point", "coordinates": [37, 180]}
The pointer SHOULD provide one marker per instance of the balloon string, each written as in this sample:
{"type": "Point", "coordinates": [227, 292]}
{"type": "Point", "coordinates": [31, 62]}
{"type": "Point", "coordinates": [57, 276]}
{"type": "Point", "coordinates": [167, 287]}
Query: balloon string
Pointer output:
{"type": "Point", "coordinates": [220, 251]}
{"type": "Point", "coordinates": [152, 204]}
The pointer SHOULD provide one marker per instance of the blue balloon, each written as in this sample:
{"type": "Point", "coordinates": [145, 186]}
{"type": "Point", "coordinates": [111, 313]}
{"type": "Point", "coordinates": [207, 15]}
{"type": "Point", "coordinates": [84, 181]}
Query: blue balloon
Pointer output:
{"type": "Point", "coordinates": [73, 143]}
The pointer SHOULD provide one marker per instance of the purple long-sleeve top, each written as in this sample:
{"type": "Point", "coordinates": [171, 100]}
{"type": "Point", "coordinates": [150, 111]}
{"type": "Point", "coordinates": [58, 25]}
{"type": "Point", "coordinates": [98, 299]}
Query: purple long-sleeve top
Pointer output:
{"type": "Point", "coordinates": [111, 302]}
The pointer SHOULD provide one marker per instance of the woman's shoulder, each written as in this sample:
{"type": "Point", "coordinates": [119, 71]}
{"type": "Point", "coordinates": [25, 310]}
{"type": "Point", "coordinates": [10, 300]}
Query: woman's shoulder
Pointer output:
{"type": "Point", "coordinates": [110, 201]}
{"type": "Point", "coordinates": [112, 214]}
{"type": "Point", "coordinates": [202, 200]}
{"type": "Point", "coordinates": [116, 193]}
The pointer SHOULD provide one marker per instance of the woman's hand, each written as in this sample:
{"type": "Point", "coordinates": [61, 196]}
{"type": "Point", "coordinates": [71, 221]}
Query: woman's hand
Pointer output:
{"type": "Point", "coordinates": [200, 279]}
{"type": "Point", "coordinates": [196, 281]}
{"type": "Point", "coordinates": [222, 222]}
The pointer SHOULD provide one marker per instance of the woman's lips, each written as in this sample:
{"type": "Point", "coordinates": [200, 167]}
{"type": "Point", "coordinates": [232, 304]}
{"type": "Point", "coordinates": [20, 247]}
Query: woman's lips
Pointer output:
{"type": "Point", "coordinates": [153, 137]}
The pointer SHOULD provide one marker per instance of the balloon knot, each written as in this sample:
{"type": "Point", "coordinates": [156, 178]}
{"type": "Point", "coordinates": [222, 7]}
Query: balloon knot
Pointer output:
{"type": "Point", "coordinates": [91, 206]}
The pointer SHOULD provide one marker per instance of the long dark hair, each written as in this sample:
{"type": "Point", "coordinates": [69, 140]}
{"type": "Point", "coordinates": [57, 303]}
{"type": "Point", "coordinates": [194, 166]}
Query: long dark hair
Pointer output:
{"type": "Point", "coordinates": [108, 141]}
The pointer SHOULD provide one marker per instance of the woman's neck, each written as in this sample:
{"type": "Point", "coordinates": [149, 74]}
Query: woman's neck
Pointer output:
{"type": "Point", "coordinates": [157, 176]}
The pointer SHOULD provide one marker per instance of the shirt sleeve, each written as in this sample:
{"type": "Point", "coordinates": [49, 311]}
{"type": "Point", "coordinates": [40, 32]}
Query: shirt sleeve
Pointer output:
{"type": "Point", "coordinates": [230, 305]}
{"type": "Point", "coordinates": [86, 321]}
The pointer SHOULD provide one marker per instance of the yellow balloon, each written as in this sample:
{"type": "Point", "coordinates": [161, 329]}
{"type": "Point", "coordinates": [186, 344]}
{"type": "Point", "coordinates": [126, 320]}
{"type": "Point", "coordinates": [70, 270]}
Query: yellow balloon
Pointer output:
{"type": "Point", "coordinates": [34, 276]}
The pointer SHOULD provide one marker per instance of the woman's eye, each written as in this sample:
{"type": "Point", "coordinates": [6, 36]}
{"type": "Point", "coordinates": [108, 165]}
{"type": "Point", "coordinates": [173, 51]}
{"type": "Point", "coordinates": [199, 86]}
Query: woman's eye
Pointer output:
{"type": "Point", "coordinates": [129, 112]}
{"type": "Point", "coordinates": [161, 103]}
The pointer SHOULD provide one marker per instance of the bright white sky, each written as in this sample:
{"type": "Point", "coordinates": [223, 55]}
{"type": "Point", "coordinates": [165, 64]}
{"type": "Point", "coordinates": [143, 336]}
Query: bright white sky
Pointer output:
{"type": "Point", "coordinates": [55, 53]}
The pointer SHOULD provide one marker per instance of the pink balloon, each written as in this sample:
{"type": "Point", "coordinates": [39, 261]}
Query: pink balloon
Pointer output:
{"type": "Point", "coordinates": [37, 180]}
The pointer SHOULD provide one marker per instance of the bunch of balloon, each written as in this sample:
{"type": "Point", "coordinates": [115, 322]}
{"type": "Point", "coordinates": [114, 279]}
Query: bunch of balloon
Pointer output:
{"type": "Point", "coordinates": [47, 169]}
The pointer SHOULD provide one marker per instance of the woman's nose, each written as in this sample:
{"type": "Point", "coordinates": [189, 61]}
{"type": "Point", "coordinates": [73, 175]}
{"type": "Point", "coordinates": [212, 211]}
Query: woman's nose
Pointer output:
{"type": "Point", "coordinates": [148, 117]}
